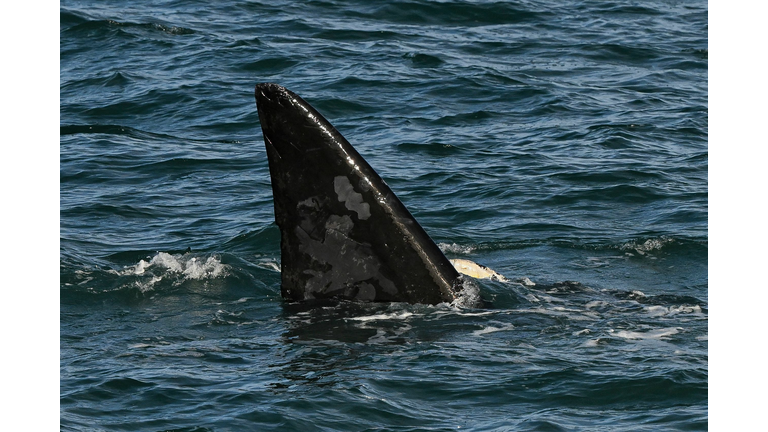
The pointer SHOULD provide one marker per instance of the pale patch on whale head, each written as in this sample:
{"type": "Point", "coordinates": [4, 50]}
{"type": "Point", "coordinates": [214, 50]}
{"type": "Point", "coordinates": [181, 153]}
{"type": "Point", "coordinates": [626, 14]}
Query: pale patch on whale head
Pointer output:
{"type": "Point", "coordinates": [476, 270]}
{"type": "Point", "coordinates": [351, 199]}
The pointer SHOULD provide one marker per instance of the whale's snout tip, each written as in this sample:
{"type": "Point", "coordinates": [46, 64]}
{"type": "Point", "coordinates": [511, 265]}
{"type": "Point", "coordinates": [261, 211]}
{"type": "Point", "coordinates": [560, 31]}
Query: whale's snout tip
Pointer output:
{"type": "Point", "coordinates": [269, 91]}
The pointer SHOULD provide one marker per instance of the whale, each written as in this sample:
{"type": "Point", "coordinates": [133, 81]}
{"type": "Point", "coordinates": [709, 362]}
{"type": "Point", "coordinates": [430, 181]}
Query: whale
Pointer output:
{"type": "Point", "coordinates": [344, 234]}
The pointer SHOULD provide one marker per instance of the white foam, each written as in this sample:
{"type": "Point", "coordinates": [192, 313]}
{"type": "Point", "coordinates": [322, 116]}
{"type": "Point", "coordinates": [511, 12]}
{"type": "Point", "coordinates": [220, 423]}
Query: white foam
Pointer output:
{"type": "Point", "coordinates": [659, 311]}
{"type": "Point", "coordinates": [242, 300]}
{"type": "Point", "coordinates": [696, 309]}
{"type": "Point", "coordinates": [197, 269]}
{"type": "Point", "coordinates": [656, 310]}
{"type": "Point", "coordinates": [457, 249]}
{"type": "Point", "coordinates": [592, 343]}
{"type": "Point", "coordinates": [571, 314]}
{"type": "Point", "coordinates": [179, 267]}
{"type": "Point", "coordinates": [648, 246]}
{"type": "Point", "coordinates": [474, 314]}
{"type": "Point", "coordinates": [269, 264]}
{"type": "Point", "coordinates": [168, 261]}
{"type": "Point", "coordinates": [379, 337]}
{"type": "Point", "coordinates": [491, 329]}
{"type": "Point", "coordinates": [84, 281]}
{"type": "Point", "coordinates": [469, 296]}
{"type": "Point", "coordinates": [527, 282]}
{"type": "Point", "coordinates": [595, 303]}
{"type": "Point", "coordinates": [140, 345]}
{"type": "Point", "coordinates": [532, 298]}
{"type": "Point", "coordinates": [381, 317]}
{"type": "Point", "coordinates": [137, 269]}
{"type": "Point", "coordinates": [658, 334]}
{"type": "Point", "coordinates": [636, 295]}
{"type": "Point", "coordinates": [140, 267]}
{"type": "Point", "coordinates": [145, 286]}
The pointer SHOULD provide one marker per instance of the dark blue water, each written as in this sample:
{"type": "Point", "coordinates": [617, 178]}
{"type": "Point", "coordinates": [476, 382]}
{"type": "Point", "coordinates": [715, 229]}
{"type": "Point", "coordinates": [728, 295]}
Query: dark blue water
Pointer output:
{"type": "Point", "coordinates": [562, 143]}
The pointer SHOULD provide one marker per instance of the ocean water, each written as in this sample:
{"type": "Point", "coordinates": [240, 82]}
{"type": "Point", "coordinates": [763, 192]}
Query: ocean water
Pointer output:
{"type": "Point", "coordinates": [561, 143]}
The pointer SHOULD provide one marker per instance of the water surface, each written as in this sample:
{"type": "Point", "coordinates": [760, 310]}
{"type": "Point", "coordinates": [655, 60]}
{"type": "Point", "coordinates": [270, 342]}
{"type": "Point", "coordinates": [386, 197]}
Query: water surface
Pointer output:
{"type": "Point", "coordinates": [560, 143]}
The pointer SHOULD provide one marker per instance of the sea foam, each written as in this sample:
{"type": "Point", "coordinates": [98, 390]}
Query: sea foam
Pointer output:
{"type": "Point", "coordinates": [177, 268]}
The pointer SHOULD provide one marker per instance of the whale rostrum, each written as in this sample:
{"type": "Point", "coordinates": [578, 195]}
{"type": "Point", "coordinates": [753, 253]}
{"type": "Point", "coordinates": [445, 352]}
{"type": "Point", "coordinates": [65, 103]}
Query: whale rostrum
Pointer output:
{"type": "Point", "coordinates": [343, 233]}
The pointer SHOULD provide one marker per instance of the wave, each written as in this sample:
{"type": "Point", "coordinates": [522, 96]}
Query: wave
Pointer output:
{"type": "Point", "coordinates": [177, 268]}
{"type": "Point", "coordinates": [263, 241]}
{"type": "Point", "coordinates": [96, 210]}
{"type": "Point", "coordinates": [162, 269]}
{"type": "Point", "coordinates": [80, 22]}
{"type": "Point", "coordinates": [451, 13]}
{"type": "Point", "coordinates": [640, 246]}
{"type": "Point", "coordinates": [108, 129]}
{"type": "Point", "coordinates": [222, 277]}
{"type": "Point", "coordinates": [432, 149]}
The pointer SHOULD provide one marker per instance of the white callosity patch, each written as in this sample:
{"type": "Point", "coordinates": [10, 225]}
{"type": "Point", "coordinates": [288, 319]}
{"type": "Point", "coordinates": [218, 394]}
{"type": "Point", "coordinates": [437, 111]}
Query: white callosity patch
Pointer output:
{"type": "Point", "coordinates": [351, 199]}
{"type": "Point", "coordinates": [476, 270]}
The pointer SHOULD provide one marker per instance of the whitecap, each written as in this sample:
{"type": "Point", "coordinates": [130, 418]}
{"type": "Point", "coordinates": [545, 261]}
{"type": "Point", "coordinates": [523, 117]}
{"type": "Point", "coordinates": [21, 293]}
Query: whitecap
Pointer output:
{"type": "Point", "coordinates": [179, 267]}
{"type": "Point", "coordinates": [147, 285]}
{"type": "Point", "coordinates": [649, 245]}
{"type": "Point", "coordinates": [456, 248]}
{"type": "Point", "coordinates": [469, 296]}
{"type": "Point", "coordinates": [526, 282]}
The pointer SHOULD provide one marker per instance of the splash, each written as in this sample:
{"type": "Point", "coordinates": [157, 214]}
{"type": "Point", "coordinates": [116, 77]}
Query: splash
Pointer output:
{"type": "Point", "coordinates": [176, 268]}
{"type": "Point", "coordinates": [650, 245]}
{"type": "Point", "coordinates": [469, 296]}
{"type": "Point", "coordinates": [456, 248]}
